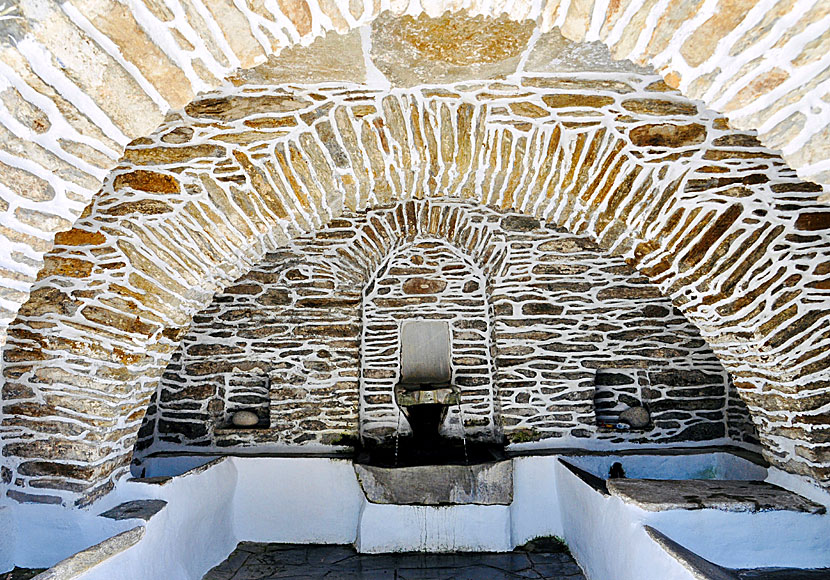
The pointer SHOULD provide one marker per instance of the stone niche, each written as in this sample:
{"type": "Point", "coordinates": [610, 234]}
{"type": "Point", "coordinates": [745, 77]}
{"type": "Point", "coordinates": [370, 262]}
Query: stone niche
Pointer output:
{"type": "Point", "coordinates": [548, 332]}
{"type": "Point", "coordinates": [427, 280]}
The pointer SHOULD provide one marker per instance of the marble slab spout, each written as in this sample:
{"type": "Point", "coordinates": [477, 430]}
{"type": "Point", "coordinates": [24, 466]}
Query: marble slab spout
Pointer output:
{"type": "Point", "coordinates": [443, 396]}
{"type": "Point", "coordinates": [480, 484]}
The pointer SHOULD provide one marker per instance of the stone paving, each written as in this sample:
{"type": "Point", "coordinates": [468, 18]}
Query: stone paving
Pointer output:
{"type": "Point", "coordinates": [252, 561]}
{"type": "Point", "coordinates": [21, 573]}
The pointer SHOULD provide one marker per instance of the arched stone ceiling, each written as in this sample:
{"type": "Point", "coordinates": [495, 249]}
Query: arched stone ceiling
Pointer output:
{"type": "Point", "coordinates": [81, 78]}
{"type": "Point", "coordinates": [718, 221]}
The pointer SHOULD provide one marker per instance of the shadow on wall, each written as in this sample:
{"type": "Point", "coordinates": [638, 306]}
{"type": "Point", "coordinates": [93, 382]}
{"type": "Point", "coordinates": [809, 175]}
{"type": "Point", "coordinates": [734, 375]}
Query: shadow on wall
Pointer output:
{"type": "Point", "coordinates": [552, 339]}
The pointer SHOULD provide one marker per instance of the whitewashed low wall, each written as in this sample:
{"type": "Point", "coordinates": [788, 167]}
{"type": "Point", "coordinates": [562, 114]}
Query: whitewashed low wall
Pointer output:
{"type": "Point", "coordinates": [318, 500]}
{"type": "Point", "coordinates": [536, 509]}
{"type": "Point", "coordinates": [717, 465]}
{"type": "Point", "coordinates": [457, 528]}
{"type": "Point", "coordinates": [193, 532]}
{"type": "Point", "coordinates": [36, 535]}
{"type": "Point", "coordinates": [301, 500]}
{"type": "Point", "coordinates": [750, 540]}
{"type": "Point", "coordinates": [7, 538]}
{"type": "Point", "coordinates": [607, 538]}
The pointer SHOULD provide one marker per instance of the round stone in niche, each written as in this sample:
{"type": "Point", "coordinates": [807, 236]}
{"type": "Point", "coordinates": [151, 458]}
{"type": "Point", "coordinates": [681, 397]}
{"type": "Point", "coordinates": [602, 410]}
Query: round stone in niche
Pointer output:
{"type": "Point", "coordinates": [244, 419]}
{"type": "Point", "coordinates": [637, 417]}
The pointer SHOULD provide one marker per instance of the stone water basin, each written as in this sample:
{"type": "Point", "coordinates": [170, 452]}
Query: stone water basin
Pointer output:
{"type": "Point", "coordinates": [678, 464]}
{"type": "Point", "coordinates": [438, 485]}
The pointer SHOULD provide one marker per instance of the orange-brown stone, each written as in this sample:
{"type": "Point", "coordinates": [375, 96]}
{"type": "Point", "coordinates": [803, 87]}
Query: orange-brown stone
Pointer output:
{"type": "Point", "coordinates": [60, 266]}
{"type": "Point", "coordinates": [233, 108]}
{"type": "Point", "coordinates": [117, 320]}
{"type": "Point", "coordinates": [659, 107]}
{"type": "Point", "coordinates": [164, 155]}
{"type": "Point", "coordinates": [149, 181]}
{"type": "Point", "coordinates": [668, 135]}
{"type": "Point", "coordinates": [145, 206]}
{"type": "Point", "coordinates": [299, 14]}
{"type": "Point", "coordinates": [76, 237]}
{"type": "Point", "coordinates": [813, 221]}
{"type": "Point", "coordinates": [574, 100]}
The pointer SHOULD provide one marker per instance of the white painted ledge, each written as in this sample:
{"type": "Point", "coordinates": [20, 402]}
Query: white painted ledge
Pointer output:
{"type": "Point", "coordinates": [318, 500]}
{"type": "Point", "coordinates": [78, 564]}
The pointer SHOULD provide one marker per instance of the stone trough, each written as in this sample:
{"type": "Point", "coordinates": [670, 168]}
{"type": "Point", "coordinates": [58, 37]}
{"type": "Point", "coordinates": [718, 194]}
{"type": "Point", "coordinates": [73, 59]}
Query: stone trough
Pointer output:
{"type": "Point", "coordinates": [438, 485]}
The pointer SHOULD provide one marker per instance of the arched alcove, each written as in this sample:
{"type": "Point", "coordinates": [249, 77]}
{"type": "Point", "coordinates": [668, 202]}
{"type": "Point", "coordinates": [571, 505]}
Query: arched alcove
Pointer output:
{"type": "Point", "coordinates": [535, 333]}
{"type": "Point", "coordinates": [427, 279]}
{"type": "Point", "coordinates": [240, 172]}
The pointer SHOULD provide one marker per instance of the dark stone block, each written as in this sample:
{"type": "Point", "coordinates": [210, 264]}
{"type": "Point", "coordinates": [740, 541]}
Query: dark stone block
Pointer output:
{"type": "Point", "coordinates": [686, 405]}
{"type": "Point", "coordinates": [715, 391]}
{"type": "Point", "coordinates": [653, 311]}
{"type": "Point", "coordinates": [610, 378]}
{"type": "Point", "coordinates": [569, 347]}
{"type": "Point", "coordinates": [22, 497]}
{"type": "Point", "coordinates": [275, 297]}
{"type": "Point", "coordinates": [189, 430]}
{"type": "Point", "coordinates": [207, 350]}
{"type": "Point", "coordinates": [142, 509]}
{"type": "Point", "coordinates": [519, 223]}
{"type": "Point", "coordinates": [701, 432]}
{"type": "Point", "coordinates": [243, 289]}
{"type": "Point", "coordinates": [684, 378]}
{"type": "Point", "coordinates": [328, 302]}
{"type": "Point", "coordinates": [541, 308]}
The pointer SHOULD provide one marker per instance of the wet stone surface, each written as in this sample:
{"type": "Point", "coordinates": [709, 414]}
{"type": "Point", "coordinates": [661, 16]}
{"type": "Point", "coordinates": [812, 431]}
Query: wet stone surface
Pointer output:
{"type": "Point", "coordinates": [252, 561]}
{"type": "Point", "coordinates": [694, 494]}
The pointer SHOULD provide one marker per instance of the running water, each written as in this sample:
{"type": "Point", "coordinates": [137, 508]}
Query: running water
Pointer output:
{"type": "Point", "coordinates": [463, 431]}
{"type": "Point", "coordinates": [397, 436]}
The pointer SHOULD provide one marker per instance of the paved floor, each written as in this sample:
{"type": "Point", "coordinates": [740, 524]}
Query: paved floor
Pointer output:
{"type": "Point", "coordinates": [21, 573]}
{"type": "Point", "coordinates": [252, 561]}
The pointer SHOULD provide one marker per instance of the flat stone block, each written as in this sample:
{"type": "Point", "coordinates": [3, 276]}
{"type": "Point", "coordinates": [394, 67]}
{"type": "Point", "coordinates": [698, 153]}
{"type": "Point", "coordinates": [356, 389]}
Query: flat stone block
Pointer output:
{"type": "Point", "coordinates": [695, 494]}
{"type": "Point", "coordinates": [142, 509]}
{"type": "Point", "coordinates": [438, 485]}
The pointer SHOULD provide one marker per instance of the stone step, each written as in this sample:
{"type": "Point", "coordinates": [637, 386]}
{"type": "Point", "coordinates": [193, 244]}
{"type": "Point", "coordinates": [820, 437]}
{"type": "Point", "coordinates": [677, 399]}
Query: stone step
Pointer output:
{"type": "Point", "coordinates": [694, 494]}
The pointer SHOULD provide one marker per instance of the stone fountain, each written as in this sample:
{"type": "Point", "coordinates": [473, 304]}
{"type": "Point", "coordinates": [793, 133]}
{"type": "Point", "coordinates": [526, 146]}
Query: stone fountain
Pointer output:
{"type": "Point", "coordinates": [425, 392]}
{"type": "Point", "coordinates": [427, 471]}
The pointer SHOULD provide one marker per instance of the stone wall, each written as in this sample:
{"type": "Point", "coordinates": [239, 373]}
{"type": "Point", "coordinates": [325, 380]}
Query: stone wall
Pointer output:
{"type": "Point", "coordinates": [83, 78]}
{"type": "Point", "coordinates": [292, 319]}
{"type": "Point", "coordinates": [719, 223]}
{"type": "Point", "coordinates": [428, 279]}
{"type": "Point", "coordinates": [575, 326]}
{"type": "Point", "coordinates": [564, 320]}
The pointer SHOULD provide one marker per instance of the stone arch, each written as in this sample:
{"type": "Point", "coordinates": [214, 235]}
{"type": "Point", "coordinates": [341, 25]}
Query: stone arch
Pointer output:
{"type": "Point", "coordinates": [394, 295]}
{"type": "Point", "coordinates": [71, 106]}
{"type": "Point", "coordinates": [688, 201]}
